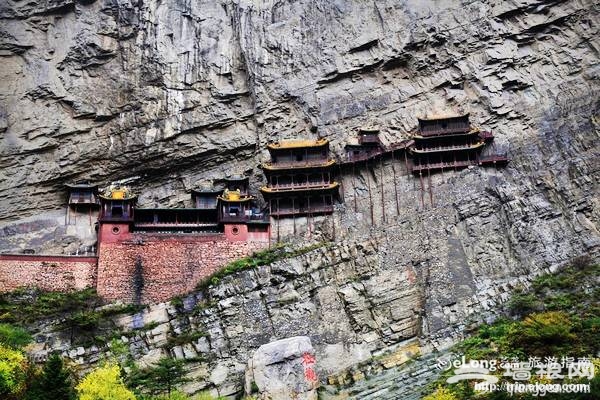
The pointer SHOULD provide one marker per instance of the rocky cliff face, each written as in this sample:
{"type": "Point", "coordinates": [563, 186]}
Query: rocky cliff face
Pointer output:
{"type": "Point", "coordinates": [172, 93]}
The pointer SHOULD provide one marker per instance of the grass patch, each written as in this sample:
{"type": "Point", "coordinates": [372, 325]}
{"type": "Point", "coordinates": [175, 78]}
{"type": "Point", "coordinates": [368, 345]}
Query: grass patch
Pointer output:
{"type": "Point", "coordinates": [264, 257]}
{"type": "Point", "coordinates": [559, 316]}
{"type": "Point", "coordinates": [184, 339]}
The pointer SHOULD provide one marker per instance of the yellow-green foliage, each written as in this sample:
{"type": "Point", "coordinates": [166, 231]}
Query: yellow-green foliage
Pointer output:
{"type": "Point", "coordinates": [104, 383]}
{"type": "Point", "coordinates": [441, 394]}
{"type": "Point", "coordinates": [207, 396]}
{"type": "Point", "coordinates": [545, 333]}
{"type": "Point", "coordinates": [12, 371]}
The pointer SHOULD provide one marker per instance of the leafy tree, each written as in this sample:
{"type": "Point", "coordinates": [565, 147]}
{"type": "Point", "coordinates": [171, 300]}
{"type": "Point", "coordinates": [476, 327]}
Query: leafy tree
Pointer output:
{"type": "Point", "coordinates": [161, 378]}
{"type": "Point", "coordinates": [13, 367]}
{"type": "Point", "coordinates": [54, 383]}
{"type": "Point", "coordinates": [13, 336]}
{"type": "Point", "coordinates": [104, 383]}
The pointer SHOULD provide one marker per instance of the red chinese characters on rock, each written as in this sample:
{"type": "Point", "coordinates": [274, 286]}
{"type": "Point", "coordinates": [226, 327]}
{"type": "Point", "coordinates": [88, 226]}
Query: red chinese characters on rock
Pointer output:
{"type": "Point", "coordinates": [308, 361]}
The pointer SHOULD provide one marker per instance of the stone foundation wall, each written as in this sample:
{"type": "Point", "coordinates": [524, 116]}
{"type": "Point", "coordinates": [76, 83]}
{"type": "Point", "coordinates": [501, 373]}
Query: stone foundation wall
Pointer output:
{"type": "Point", "coordinates": [53, 273]}
{"type": "Point", "coordinates": [150, 268]}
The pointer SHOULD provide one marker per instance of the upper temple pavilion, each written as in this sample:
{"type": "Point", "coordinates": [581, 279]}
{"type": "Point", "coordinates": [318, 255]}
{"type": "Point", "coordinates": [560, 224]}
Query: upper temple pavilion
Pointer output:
{"type": "Point", "coordinates": [299, 178]}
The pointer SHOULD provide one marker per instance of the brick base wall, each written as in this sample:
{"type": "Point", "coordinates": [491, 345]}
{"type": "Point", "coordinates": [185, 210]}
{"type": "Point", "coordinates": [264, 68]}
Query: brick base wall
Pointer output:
{"type": "Point", "coordinates": [51, 273]}
{"type": "Point", "coordinates": [156, 267]}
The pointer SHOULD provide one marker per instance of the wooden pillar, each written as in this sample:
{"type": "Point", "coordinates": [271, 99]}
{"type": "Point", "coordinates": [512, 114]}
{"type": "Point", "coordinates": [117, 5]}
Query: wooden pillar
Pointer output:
{"type": "Point", "coordinates": [382, 191]}
{"type": "Point", "coordinates": [354, 188]}
{"type": "Point", "coordinates": [308, 216]}
{"type": "Point", "coordinates": [294, 214]}
{"type": "Point", "coordinates": [370, 195]}
{"type": "Point", "coordinates": [342, 191]}
{"type": "Point", "coordinates": [278, 217]}
{"type": "Point", "coordinates": [395, 182]}
{"type": "Point", "coordinates": [422, 190]}
{"type": "Point", "coordinates": [270, 219]}
{"type": "Point", "coordinates": [430, 189]}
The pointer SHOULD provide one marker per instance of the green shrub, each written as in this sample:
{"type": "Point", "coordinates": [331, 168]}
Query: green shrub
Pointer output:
{"type": "Point", "coordinates": [545, 333]}
{"type": "Point", "coordinates": [184, 338]}
{"type": "Point", "coordinates": [13, 336]}
{"type": "Point", "coordinates": [523, 303]}
{"type": "Point", "coordinates": [159, 379]}
{"type": "Point", "coordinates": [560, 302]}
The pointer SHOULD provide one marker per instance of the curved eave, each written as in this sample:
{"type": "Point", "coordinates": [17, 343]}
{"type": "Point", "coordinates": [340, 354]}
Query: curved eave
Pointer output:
{"type": "Point", "coordinates": [235, 179]}
{"type": "Point", "coordinates": [475, 146]}
{"type": "Point", "coordinates": [442, 117]}
{"type": "Point", "coordinates": [270, 167]}
{"type": "Point", "coordinates": [206, 191]}
{"type": "Point", "coordinates": [81, 186]}
{"type": "Point", "coordinates": [268, 190]}
{"type": "Point", "coordinates": [123, 199]}
{"type": "Point", "coordinates": [240, 200]}
{"type": "Point", "coordinates": [297, 144]}
{"type": "Point", "coordinates": [469, 133]}
{"type": "Point", "coordinates": [368, 130]}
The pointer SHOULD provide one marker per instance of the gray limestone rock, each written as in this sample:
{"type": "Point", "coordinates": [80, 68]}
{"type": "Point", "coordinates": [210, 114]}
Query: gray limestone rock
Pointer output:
{"type": "Point", "coordinates": [284, 369]}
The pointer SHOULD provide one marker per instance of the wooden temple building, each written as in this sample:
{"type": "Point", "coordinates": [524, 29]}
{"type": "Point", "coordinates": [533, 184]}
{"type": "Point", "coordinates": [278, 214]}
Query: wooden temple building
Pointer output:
{"type": "Point", "coordinates": [370, 147]}
{"type": "Point", "coordinates": [299, 179]}
{"type": "Point", "coordinates": [229, 209]}
{"type": "Point", "coordinates": [82, 198]}
{"type": "Point", "coordinates": [450, 142]}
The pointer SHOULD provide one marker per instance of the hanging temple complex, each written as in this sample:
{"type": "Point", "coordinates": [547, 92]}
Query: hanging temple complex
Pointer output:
{"type": "Point", "coordinates": [152, 254]}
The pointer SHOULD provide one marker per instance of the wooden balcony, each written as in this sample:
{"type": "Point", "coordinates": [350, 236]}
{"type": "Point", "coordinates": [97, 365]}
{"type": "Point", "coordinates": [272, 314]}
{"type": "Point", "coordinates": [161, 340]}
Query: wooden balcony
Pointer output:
{"type": "Point", "coordinates": [495, 159]}
{"type": "Point", "coordinates": [369, 140]}
{"type": "Point", "coordinates": [445, 132]}
{"type": "Point", "coordinates": [323, 209]}
{"type": "Point", "coordinates": [299, 187]}
{"type": "Point", "coordinates": [283, 165]}
{"type": "Point", "coordinates": [243, 218]}
{"type": "Point", "coordinates": [441, 149]}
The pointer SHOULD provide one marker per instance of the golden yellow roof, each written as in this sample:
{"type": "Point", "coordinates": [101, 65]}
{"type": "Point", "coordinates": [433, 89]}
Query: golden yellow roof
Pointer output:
{"type": "Point", "coordinates": [117, 193]}
{"type": "Point", "coordinates": [297, 144]}
{"type": "Point", "coordinates": [266, 189]}
{"type": "Point", "coordinates": [274, 167]}
{"type": "Point", "coordinates": [233, 196]}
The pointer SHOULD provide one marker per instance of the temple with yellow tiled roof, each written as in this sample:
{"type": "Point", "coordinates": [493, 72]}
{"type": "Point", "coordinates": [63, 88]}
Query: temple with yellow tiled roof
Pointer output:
{"type": "Point", "coordinates": [299, 178]}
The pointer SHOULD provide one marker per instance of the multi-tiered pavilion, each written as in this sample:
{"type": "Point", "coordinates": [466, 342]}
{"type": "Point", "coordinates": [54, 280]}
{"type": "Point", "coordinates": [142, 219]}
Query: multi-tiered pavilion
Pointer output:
{"type": "Point", "coordinates": [299, 178]}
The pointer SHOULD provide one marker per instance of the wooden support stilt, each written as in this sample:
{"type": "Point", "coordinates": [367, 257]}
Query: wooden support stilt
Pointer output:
{"type": "Point", "coordinates": [294, 214]}
{"type": "Point", "coordinates": [308, 219]}
{"type": "Point", "coordinates": [341, 177]}
{"type": "Point", "coordinates": [382, 191]}
{"type": "Point", "coordinates": [278, 230]}
{"type": "Point", "coordinates": [270, 219]}
{"type": "Point", "coordinates": [395, 183]}
{"type": "Point", "coordinates": [406, 162]}
{"type": "Point", "coordinates": [430, 190]}
{"type": "Point", "coordinates": [333, 226]}
{"type": "Point", "coordinates": [422, 190]}
{"type": "Point", "coordinates": [68, 215]}
{"type": "Point", "coordinates": [354, 188]}
{"type": "Point", "coordinates": [370, 195]}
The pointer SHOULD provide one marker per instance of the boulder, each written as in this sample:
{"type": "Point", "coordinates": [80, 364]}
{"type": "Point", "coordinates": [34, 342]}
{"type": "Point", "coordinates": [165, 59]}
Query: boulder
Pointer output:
{"type": "Point", "coordinates": [284, 369]}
